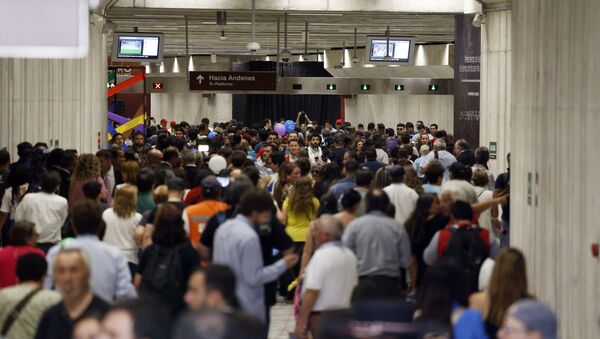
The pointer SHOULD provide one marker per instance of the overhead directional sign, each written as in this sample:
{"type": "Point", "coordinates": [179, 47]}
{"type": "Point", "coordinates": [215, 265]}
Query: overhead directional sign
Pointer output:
{"type": "Point", "coordinates": [233, 81]}
{"type": "Point", "coordinates": [331, 87]}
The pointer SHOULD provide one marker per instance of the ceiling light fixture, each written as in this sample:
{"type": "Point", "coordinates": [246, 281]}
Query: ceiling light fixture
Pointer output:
{"type": "Point", "coordinates": [343, 63]}
{"type": "Point", "coordinates": [253, 46]}
{"type": "Point", "coordinates": [355, 56]}
{"type": "Point", "coordinates": [305, 56]}
{"type": "Point", "coordinates": [285, 54]}
{"type": "Point", "coordinates": [222, 37]}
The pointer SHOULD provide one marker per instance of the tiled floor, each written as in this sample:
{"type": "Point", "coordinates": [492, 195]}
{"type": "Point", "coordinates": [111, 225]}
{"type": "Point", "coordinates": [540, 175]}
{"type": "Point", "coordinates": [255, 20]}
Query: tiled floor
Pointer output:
{"type": "Point", "coordinates": [282, 321]}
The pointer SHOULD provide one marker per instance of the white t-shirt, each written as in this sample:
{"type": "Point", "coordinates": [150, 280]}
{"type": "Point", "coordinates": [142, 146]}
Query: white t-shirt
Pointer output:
{"type": "Point", "coordinates": [7, 205]}
{"type": "Point", "coordinates": [47, 211]}
{"type": "Point", "coordinates": [404, 200]}
{"type": "Point", "coordinates": [382, 156]}
{"type": "Point", "coordinates": [485, 217]}
{"type": "Point", "coordinates": [119, 233]}
{"type": "Point", "coordinates": [332, 271]}
{"type": "Point", "coordinates": [461, 190]}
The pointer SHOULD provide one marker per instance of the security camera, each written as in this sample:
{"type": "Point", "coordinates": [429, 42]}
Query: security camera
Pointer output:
{"type": "Point", "coordinates": [478, 20]}
{"type": "Point", "coordinates": [355, 60]}
{"type": "Point", "coordinates": [285, 55]}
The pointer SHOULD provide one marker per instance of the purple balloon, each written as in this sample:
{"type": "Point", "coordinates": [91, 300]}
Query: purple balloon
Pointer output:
{"type": "Point", "coordinates": [279, 129]}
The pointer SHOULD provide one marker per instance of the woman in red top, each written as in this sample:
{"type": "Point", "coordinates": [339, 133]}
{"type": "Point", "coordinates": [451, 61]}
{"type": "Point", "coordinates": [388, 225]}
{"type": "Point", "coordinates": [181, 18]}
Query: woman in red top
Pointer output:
{"type": "Point", "coordinates": [21, 240]}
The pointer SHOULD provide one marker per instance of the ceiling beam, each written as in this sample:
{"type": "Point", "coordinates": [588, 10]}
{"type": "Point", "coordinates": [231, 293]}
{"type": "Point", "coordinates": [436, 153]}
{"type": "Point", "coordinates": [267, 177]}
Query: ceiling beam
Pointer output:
{"type": "Point", "coordinates": [412, 6]}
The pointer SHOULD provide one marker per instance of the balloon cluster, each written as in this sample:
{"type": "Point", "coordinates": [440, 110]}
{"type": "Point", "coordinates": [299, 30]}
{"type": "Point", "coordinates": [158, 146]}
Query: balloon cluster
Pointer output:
{"type": "Point", "coordinates": [287, 127]}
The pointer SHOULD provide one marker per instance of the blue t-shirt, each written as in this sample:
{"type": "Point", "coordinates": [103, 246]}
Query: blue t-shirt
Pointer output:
{"type": "Point", "coordinates": [470, 325]}
{"type": "Point", "coordinates": [432, 189]}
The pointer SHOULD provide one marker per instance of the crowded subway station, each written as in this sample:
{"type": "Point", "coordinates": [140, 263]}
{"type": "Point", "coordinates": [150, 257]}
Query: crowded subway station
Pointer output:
{"type": "Point", "coordinates": [253, 169]}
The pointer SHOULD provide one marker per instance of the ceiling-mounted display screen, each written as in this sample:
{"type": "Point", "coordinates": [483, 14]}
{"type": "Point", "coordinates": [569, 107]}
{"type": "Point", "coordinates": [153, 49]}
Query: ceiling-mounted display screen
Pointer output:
{"type": "Point", "coordinates": [138, 47]}
{"type": "Point", "coordinates": [399, 50]}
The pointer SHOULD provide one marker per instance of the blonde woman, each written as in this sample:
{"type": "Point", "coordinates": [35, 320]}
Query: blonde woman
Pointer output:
{"type": "Point", "coordinates": [121, 223]}
{"type": "Point", "coordinates": [87, 168]}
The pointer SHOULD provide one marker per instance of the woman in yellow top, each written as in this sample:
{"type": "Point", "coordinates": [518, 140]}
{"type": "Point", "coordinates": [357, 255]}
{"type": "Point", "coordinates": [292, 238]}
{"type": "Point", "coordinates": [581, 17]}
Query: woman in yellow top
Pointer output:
{"type": "Point", "coordinates": [299, 209]}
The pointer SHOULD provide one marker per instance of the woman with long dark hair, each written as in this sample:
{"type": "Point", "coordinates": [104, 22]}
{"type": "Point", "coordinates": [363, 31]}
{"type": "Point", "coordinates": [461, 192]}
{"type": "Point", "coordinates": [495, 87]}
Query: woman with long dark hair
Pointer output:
{"type": "Point", "coordinates": [421, 226]}
{"type": "Point", "coordinates": [166, 265]}
{"type": "Point", "coordinates": [507, 286]}
{"type": "Point", "coordinates": [328, 175]}
{"type": "Point", "coordinates": [442, 302]}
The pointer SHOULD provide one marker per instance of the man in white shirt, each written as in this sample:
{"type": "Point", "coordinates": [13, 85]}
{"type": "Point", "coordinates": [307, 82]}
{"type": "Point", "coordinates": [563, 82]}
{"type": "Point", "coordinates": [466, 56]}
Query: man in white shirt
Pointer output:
{"type": "Point", "coordinates": [401, 196]}
{"type": "Point", "coordinates": [439, 153]}
{"type": "Point", "coordinates": [330, 278]}
{"type": "Point", "coordinates": [459, 183]}
{"type": "Point", "coordinates": [315, 155]}
{"type": "Point", "coordinates": [46, 209]}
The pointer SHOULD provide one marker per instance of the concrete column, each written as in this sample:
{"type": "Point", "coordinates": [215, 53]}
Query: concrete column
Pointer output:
{"type": "Point", "coordinates": [555, 118]}
{"type": "Point", "coordinates": [496, 53]}
{"type": "Point", "coordinates": [60, 101]}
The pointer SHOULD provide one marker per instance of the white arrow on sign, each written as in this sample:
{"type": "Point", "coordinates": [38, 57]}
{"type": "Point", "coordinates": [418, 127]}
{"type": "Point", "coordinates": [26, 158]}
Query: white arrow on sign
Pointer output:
{"type": "Point", "coordinates": [200, 78]}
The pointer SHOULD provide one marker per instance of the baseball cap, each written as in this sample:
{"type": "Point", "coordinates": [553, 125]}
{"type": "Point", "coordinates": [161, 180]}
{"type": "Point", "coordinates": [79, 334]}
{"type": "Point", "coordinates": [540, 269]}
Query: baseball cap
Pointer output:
{"type": "Point", "coordinates": [210, 182]}
{"type": "Point", "coordinates": [173, 123]}
{"type": "Point", "coordinates": [163, 121]}
{"type": "Point", "coordinates": [176, 184]}
{"type": "Point", "coordinates": [339, 121]}
{"type": "Point", "coordinates": [535, 316]}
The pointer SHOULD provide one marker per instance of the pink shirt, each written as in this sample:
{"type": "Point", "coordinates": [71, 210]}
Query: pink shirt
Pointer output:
{"type": "Point", "coordinates": [76, 192]}
{"type": "Point", "coordinates": [8, 262]}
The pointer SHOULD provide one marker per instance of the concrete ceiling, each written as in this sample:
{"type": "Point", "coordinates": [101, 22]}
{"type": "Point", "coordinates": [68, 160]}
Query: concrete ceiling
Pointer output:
{"type": "Point", "coordinates": [327, 29]}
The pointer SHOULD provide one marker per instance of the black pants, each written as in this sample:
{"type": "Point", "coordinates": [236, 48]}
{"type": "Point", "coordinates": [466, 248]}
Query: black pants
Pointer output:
{"type": "Point", "coordinates": [378, 287]}
{"type": "Point", "coordinates": [291, 274]}
{"type": "Point", "coordinates": [133, 268]}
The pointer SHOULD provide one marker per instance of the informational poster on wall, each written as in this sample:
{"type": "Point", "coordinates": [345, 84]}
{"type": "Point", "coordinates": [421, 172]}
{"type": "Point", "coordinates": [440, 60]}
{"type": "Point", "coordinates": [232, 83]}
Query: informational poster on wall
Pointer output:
{"type": "Point", "coordinates": [467, 61]}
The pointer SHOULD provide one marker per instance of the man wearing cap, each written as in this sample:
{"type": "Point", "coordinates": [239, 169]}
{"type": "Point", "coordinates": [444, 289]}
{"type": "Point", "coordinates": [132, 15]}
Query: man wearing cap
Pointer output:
{"type": "Point", "coordinates": [339, 124]}
{"type": "Point", "coordinates": [529, 319]}
{"type": "Point", "coordinates": [196, 216]}
{"type": "Point", "coordinates": [163, 124]}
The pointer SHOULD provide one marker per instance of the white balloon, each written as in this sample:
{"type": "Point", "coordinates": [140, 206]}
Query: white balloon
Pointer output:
{"type": "Point", "coordinates": [217, 163]}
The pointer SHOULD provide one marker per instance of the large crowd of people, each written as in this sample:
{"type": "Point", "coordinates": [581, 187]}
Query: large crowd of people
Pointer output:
{"type": "Point", "coordinates": [197, 231]}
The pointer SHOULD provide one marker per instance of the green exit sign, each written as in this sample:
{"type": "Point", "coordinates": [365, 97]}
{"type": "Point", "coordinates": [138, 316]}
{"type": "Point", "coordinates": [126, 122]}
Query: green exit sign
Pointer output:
{"type": "Point", "coordinates": [399, 87]}
{"type": "Point", "coordinates": [433, 88]}
{"type": "Point", "coordinates": [365, 87]}
{"type": "Point", "coordinates": [331, 87]}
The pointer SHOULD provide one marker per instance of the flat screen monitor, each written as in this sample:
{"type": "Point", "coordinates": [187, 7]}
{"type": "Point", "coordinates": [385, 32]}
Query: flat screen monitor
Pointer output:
{"type": "Point", "coordinates": [399, 49]}
{"type": "Point", "coordinates": [138, 47]}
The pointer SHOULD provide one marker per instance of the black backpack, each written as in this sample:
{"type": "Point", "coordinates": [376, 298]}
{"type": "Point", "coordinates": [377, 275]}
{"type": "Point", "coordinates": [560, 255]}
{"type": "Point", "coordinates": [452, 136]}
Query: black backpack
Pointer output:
{"type": "Point", "coordinates": [163, 274]}
{"type": "Point", "coordinates": [467, 249]}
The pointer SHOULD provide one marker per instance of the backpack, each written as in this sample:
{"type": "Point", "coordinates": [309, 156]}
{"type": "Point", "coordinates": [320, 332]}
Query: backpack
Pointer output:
{"type": "Point", "coordinates": [466, 247]}
{"type": "Point", "coordinates": [163, 275]}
